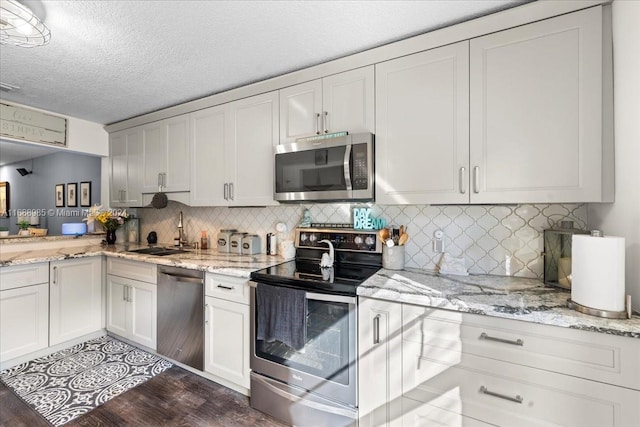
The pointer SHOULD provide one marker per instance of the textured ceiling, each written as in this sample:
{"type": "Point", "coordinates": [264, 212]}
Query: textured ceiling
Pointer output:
{"type": "Point", "coordinates": [111, 60]}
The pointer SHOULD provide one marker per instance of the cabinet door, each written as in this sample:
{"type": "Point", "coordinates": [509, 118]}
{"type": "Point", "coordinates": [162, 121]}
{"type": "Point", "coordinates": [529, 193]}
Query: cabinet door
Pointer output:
{"type": "Point", "coordinates": [536, 112]}
{"type": "Point", "coordinates": [154, 156]}
{"type": "Point", "coordinates": [380, 362]}
{"type": "Point", "coordinates": [227, 340]}
{"type": "Point", "coordinates": [75, 298]}
{"type": "Point", "coordinates": [177, 166]}
{"type": "Point", "coordinates": [166, 155]}
{"type": "Point", "coordinates": [348, 101]}
{"type": "Point", "coordinates": [142, 319]}
{"type": "Point", "coordinates": [250, 157]}
{"type": "Point", "coordinates": [300, 108]}
{"type": "Point", "coordinates": [125, 158]}
{"type": "Point", "coordinates": [209, 134]}
{"type": "Point", "coordinates": [24, 320]}
{"type": "Point", "coordinates": [117, 305]}
{"type": "Point", "coordinates": [422, 120]}
{"type": "Point", "coordinates": [133, 191]}
{"type": "Point", "coordinates": [118, 165]}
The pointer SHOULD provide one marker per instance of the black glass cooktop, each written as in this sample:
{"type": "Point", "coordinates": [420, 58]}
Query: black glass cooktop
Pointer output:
{"type": "Point", "coordinates": [341, 279]}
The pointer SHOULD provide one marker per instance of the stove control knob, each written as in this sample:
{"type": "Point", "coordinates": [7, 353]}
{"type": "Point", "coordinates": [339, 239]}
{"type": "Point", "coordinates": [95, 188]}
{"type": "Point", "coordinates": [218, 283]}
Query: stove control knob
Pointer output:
{"type": "Point", "coordinates": [358, 240]}
{"type": "Point", "coordinates": [303, 237]}
{"type": "Point", "coordinates": [313, 238]}
{"type": "Point", "coordinates": [370, 240]}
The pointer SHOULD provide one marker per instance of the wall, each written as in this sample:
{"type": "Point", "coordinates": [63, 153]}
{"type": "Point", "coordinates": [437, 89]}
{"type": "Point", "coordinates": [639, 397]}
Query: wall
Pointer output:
{"type": "Point", "coordinates": [622, 217]}
{"type": "Point", "coordinates": [501, 240]}
{"type": "Point", "coordinates": [36, 191]}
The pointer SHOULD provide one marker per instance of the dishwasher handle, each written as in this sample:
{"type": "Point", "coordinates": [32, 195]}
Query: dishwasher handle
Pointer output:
{"type": "Point", "coordinates": [180, 278]}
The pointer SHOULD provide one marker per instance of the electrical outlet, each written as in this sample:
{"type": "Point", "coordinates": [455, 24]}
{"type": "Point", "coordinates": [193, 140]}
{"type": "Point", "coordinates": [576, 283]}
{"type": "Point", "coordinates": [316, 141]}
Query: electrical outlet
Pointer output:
{"type": "Point", "coordinates": [438, 241]}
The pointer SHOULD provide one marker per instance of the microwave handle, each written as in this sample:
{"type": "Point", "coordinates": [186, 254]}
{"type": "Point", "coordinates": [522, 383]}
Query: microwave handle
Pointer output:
{"type": "Point", "coordinates": [347, 163]}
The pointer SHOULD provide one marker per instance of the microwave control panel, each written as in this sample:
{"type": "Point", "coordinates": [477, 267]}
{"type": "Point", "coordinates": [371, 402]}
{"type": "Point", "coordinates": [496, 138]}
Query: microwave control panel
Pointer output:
{"type": "Point", "coordinates": [359, 174]}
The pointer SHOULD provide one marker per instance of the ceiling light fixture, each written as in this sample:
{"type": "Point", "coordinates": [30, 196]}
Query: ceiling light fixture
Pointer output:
{"type": "Point", "coordinates": [19, 26]}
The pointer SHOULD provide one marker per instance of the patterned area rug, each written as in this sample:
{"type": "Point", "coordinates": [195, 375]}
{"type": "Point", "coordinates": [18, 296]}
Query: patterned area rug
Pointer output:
{"type": "Point", "coordinates": [71, 382]}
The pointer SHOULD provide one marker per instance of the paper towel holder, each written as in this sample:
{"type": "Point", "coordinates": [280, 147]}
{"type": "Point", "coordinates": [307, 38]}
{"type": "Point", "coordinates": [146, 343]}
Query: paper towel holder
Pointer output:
{"type": "Point", "coordinates": [557, 254]}
{"type": "Point", "coordinates": [626, 314]}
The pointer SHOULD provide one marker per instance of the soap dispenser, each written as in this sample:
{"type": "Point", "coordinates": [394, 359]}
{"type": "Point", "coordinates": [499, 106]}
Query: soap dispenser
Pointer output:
{"type": "Point", "coordinates": [203, 240]}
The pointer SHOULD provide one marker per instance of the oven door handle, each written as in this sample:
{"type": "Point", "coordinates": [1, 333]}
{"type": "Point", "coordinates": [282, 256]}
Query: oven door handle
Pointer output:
{"type": "Point", "coordinates": [320, 297]}
{"type": "Point", "coordinates": [330, 298]}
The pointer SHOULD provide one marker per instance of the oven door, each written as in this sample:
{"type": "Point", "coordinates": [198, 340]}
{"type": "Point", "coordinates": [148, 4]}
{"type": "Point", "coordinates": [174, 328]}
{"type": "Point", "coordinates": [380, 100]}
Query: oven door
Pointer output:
{"type": "Point", "coordinates": [326, 364]}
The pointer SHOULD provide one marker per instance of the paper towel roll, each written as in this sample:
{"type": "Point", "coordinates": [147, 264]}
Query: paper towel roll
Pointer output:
{"type": "Point", "coordinates": [597, 270]}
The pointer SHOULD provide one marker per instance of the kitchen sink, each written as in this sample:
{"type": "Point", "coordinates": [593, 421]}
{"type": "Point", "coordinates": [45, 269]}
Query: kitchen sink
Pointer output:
{"type": "Point", "coordinates": [158, 251]}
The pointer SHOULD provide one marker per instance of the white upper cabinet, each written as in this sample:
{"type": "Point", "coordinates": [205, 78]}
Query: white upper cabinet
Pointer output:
{"type": "Point", "coordinates": [209, 128]}
{"type": "Point", "coordinates": [232, 149]}
{"type": "Point", "coordinates": [254, 135]}
{"type": "Point", "coordinates": [125, 158]}
{"type": "Point", "coordinates": [341, 102]}
{"type": "Point", "coordinates": [516, 116]}
{"type": "Point", "coordinates": [422, 117]}
{"type": "Point", "coordinates": [536, 112]}
{"type": "Point", "coordinates": [166, 155]}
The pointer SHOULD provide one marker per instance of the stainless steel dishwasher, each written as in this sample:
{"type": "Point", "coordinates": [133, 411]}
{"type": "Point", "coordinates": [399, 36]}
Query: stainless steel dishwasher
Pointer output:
{"type": "Point", "coordinates": [181, 315]}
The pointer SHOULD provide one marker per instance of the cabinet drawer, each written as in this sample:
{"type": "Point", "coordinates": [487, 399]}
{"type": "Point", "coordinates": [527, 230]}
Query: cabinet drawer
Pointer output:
{"type": "Point", "coordinates": [23, 275]}
{"type": "Point", "coordinates": [143, 271]}
{"type": "Point", "coordinates": [226, 287]}
{"type": "Point", "coordinates": [590, 355]}
{"type": "Point", "coordinates": [419, 414]}
{"type": "Point", "coordinates": [507, 394]}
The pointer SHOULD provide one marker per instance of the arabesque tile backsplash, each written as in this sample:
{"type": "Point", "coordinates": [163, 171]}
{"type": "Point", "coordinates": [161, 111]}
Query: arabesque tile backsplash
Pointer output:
{"type": "Point", "coordinates": [493, 239]}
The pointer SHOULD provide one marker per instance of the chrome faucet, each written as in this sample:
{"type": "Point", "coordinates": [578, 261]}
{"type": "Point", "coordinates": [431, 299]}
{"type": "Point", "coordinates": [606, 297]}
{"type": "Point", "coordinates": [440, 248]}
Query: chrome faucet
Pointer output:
{"type": "Point", "coordinates": [182, 237]}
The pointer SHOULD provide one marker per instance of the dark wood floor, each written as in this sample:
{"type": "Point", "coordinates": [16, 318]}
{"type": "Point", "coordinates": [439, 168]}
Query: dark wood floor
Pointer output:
{"type": "Point", "coordinates": [174, 398]}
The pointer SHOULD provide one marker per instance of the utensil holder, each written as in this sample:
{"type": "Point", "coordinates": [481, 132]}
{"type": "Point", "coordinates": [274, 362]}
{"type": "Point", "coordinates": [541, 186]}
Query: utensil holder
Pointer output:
{"type": "Point", "coordinates": [393, 258]}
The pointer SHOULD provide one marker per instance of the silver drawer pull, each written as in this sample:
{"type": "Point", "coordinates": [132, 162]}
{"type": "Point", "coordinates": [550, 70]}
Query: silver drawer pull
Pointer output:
{"type": "Point", "coordinates": [517, 399]}
{"type": "Point", "coordinates": [484, 336]}
{"type": "Point", "coordinates": [376, 329]}
{"type": "Point", "coordinates": [229, 288]}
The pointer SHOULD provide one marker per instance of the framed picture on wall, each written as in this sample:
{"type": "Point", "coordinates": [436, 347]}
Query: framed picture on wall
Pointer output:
{"type": "Point", "coordinates": [4, 199]}
{"type": "Point", "coordinates": [72, 194]}
{"type": "Point", "coordinates": [85, 194]}
{"type": "Point", "coordinates": [59, 195]}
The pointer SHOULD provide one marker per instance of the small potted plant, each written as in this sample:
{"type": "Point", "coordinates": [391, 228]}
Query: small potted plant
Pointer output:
{"type": "Point", "coordinates": [24, 228]}
{"type": "Point", "coordinates": [4, 232]}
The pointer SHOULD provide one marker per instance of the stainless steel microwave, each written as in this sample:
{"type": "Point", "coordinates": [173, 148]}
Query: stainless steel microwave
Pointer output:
{"type": "Point", "coordinates": [335, 167]}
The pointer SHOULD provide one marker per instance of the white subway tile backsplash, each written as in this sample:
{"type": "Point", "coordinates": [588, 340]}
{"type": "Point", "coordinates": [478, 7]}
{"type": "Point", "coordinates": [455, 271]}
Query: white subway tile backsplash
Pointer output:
{"type": "Point", "coordinates": [500, 240]}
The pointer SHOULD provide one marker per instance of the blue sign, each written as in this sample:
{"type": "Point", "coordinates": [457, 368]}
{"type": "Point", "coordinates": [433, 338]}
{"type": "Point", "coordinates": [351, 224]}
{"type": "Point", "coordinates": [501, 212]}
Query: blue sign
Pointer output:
{"type": "Point", "coordinates": [362, 220]}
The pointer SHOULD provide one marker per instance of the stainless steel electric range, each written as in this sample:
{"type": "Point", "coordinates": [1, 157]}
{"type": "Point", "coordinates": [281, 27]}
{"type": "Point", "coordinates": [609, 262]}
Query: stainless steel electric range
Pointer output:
{"type": "Point", "coordinates": [304, 328]}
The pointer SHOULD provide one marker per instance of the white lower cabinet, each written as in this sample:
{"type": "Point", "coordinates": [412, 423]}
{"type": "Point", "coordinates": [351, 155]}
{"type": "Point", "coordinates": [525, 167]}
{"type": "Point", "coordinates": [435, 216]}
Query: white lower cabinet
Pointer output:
{"type": "Point", "coordinates": [459, 369]}
{"type": "Point", "coordinates": [227, 334]}
{"type": "Point", "coordinates": [132, 296]}
{"type": "Point", "coordinates": [380, 362]}
{"type": "Point", "coordinates": [24, 320]}
{"type": "Point", "coordinates": [488, 369]}
{"type": "Point", "coordinates": [24, 309]}
{"type": "Point", "coordinates": [131, 309]}
{"type": "Point", "coordinates": [75, 298]}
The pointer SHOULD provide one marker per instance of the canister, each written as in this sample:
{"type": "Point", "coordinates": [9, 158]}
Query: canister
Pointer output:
{"type": "Point", "coordinates": [224, 239]}
{"type": "Point", "coordinates": [251, 244]}
{"type": "Point", "coordinates": [236, 242]}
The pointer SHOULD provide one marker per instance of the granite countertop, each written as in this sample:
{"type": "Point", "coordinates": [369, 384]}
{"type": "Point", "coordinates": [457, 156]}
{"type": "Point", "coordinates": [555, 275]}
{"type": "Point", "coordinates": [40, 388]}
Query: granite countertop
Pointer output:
{"type": "Point", "coordinates": [508, 297]}
{"type": "Point", "coordinates": [207, 260]}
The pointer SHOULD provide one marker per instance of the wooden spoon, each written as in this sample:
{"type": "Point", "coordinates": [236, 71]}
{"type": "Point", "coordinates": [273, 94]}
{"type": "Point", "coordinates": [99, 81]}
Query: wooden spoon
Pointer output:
{"type": "Point", "coordinates": [384, 234]}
